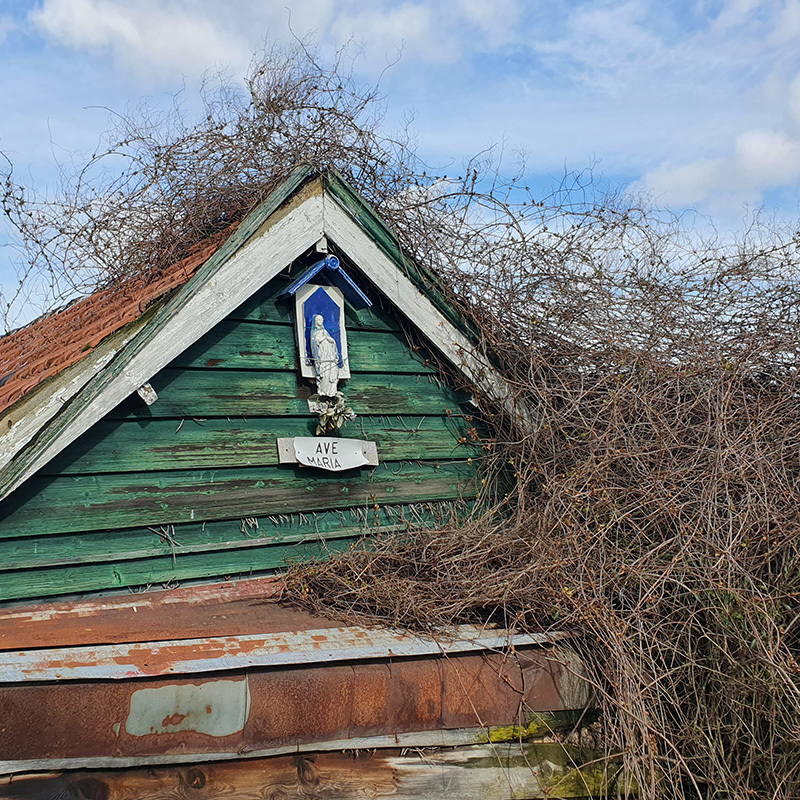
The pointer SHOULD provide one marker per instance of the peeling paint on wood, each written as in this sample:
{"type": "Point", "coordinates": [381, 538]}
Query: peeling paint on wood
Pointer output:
{"type": "Point", "coordinates": [43, 565]}
{"type": "Point", "coordinates": [206, 452]}
{"type": "Point", "coordinates": [99, 502]}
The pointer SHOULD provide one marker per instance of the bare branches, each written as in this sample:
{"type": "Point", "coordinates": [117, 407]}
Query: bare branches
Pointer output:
{"type": "Point", "coordinates": [160, 182]}
{"type": "Point", "coordinates": [654, 509]}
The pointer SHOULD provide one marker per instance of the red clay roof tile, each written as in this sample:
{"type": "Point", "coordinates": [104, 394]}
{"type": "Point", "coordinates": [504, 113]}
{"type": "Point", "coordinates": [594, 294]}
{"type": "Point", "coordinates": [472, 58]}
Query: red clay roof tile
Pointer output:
{"type": "Point", "coordinates": [55, 341]}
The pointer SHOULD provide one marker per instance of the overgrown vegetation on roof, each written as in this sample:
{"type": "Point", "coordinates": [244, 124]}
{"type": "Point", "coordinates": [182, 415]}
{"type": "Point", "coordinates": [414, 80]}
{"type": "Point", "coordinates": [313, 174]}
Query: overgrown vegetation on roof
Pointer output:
{"type": "Point", "coordinates": [650, 506]}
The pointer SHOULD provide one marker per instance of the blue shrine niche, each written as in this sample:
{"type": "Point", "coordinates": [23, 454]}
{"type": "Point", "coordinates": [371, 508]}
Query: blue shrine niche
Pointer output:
{"type": "Point", "coordinates": [321, 303]}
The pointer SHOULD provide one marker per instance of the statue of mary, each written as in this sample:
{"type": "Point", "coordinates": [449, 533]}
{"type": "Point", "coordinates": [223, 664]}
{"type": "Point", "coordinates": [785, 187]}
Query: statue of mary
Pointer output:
{"type": "Point", "coordinates": [325, 357]}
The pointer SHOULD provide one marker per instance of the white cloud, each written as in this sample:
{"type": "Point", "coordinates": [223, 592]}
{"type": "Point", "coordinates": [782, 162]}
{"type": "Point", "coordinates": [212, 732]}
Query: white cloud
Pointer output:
{"type": "Point", "coordinates": [737, 12]}
{"type": "Point", "coordinates": [408, 27]}
{"type": "Point", "coordinates": [497, 20]}
{"type": "Point", "coordinates": [164, 39]}
{"type": "Point", "coordinates": [147, 38]}
{"type": "Point", "coordinates": [158, 38]}
{"type": "Point", "coordinates": [792, 94]}
{"type": "Point", "coordinates": [7, 25]}
{"type": "Point", "coordinates": [788, 23]}
{"type": "Point", "coordinates": [686, 184]}
{"type": "Point", "coordinates": [702, 97]}
{"type": "Point", "coordinates": [761, 160]}
{"type": "Point", "coordinates": [767, 159]}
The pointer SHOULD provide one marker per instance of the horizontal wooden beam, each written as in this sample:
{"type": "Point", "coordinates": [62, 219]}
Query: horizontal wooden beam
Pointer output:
{"type": "Point", "coordinates": [252, 345]}
{"type": "Point", "coordinates": [150, 445]}
{"type": "Point", "coordinates": [73, 504]}
{"type": "Point", "coordinates": [478, 772]}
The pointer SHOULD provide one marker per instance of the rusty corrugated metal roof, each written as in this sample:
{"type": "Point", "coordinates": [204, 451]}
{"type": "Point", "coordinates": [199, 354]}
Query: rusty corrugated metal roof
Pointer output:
{"type": "Point", "coordinates": [269, 710]}
{"type": "Point", "coordinates": [285, 648]}
{"type": "Point", "coordinates": [188, 612]}
{"type": "Point", "coordinates": [244, 626]}
{"type": "Point", "coordinates": [310, 682]}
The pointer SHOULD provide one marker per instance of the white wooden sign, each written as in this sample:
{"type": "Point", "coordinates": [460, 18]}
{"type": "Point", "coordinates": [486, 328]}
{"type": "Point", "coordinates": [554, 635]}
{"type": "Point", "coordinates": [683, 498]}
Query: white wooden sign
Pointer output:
{"type": "Point", "coordinates": [327, 452]}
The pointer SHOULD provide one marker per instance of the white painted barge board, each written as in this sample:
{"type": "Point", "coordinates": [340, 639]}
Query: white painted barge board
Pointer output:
{"type": "Point", "coordinates": [23, 421]}
{"type": "Point", "coordinates": [310, 215]}
{"type": "Point", "coordinates": [237, 279]}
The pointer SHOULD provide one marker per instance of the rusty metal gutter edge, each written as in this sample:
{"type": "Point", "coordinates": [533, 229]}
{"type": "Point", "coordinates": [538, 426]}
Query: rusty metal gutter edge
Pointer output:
{"type": "Point", "coordinates": [441, 738]}
{"type": "Point", "coordinates": [216, 654]}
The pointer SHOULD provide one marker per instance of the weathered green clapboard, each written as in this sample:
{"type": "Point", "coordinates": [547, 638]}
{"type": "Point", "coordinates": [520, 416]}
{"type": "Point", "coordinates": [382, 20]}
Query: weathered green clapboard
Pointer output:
{"type": "Point", "coordinates": [191, 486]}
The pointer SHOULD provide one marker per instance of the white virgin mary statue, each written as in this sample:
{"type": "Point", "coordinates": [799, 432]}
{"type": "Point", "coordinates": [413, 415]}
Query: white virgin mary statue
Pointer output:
{"type": "Point", "coordinates": [325, 356]}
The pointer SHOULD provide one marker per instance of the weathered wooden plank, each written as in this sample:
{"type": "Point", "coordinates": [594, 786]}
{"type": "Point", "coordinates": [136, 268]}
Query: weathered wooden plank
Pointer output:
{"type": "Point", "coordinates": [250, 393]}
{"type": "Point", "coordinates": [32, 552]}
{"type": "Point", "coordinates": [465, 353]}
{"type": "Point", "coordinates": [266, 305]}
{"type": "Point", "coordinates": [235, 344]}
{"type": "Point", "coordinates": [509, 771]}
{"type": "Point", "coordinates": [71, 504]}
{"type": "Point", "coordinates": [159, 444]}
{"type": "Point", "coordinates": [164, 569]}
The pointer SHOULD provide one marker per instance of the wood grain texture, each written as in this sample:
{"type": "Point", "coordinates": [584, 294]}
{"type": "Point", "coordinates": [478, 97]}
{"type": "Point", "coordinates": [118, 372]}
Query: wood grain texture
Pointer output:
{"type": "Point", "coordinates": [287, 225]}
{"type": "Point", "coordinates": [269, 307]}
{"type": "Point", "coordinates": [250, 393]}
{"type": "Point", "coordinates": [236, 344]}
{"type": "Point", "coordinates": [34, 552]}
{"type": "Point", "coordinates": [26, 418]}
{"type": "Point", "coordinates": [366, 217]}
{"type": "Point", "coordinates": [165, 569]}
{"type": "Point", "coordinates": [204, 454]}
{"type": "Point", "coordinates": [513, 771]}
{"type": "Point", "coordinates": [71, 504]}
{"type": "Point", "coordinates": [446, 336]}
{"type": "Point", "coordinates": [167, 444]}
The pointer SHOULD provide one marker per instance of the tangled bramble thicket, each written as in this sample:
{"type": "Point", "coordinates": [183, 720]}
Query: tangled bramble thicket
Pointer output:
{"type": "Point", "coordinates": [648, 502]}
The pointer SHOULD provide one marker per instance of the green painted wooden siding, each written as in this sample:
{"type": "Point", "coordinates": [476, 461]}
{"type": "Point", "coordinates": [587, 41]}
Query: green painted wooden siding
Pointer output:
{"type": "Point", "coordinates": [190, 487]}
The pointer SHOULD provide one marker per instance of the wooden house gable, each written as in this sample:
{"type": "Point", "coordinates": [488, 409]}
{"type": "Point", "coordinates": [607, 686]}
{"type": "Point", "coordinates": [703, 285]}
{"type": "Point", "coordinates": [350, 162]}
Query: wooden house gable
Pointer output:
{"type": "Point", "coordinates": [192, 486]}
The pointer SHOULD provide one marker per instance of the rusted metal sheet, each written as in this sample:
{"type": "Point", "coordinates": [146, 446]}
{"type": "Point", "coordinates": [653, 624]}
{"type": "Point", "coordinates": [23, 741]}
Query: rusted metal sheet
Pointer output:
{"type": "Point", "coordinates": [192, 656]}
{"type": "Point", "coordinates": [191, 612]}
{"type": "Point", "coordinates": [275, 680]}
{"type": "Point", "coordinates": [268, 711]}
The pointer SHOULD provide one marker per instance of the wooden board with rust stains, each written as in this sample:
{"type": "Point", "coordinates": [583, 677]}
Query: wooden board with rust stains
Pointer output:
{"type": "Point", "coordinates": [480, 772]}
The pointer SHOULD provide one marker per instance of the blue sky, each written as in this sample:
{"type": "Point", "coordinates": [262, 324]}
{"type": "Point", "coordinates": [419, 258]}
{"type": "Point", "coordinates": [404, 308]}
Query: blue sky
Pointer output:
{"type": "Point", "coordinates": [696, 103]}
